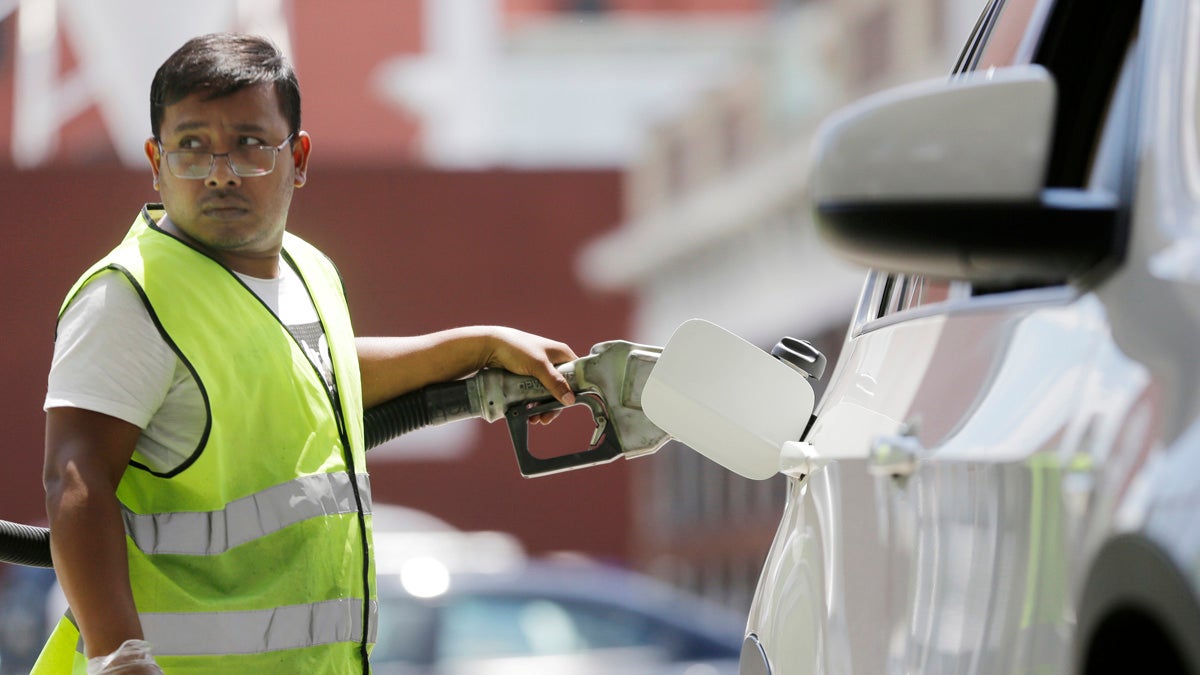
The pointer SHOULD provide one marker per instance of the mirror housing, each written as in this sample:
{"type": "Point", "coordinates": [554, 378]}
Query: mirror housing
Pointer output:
{"type": "Point", "coordinates": [946, 179]}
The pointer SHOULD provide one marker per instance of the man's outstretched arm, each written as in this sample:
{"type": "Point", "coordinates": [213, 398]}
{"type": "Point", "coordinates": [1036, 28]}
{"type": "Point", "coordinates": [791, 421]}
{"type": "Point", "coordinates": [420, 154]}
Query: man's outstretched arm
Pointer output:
{"type": "Point", "coordinates": [397, 365]}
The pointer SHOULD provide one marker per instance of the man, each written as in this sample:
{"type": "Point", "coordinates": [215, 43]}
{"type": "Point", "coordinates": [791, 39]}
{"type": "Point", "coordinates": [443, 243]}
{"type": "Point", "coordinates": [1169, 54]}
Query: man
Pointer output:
{"type": "Point", "coordinates": [205, 476]}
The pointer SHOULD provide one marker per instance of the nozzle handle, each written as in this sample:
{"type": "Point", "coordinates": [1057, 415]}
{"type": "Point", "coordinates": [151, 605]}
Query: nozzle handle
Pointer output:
{"type": "Point", "coordinates": [606, 447]}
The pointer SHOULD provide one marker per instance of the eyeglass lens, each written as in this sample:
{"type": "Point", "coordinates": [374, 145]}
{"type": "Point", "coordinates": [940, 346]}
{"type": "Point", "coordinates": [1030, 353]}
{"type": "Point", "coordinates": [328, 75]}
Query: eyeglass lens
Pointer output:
{"type": "Point", "coordinates": [247, 161]}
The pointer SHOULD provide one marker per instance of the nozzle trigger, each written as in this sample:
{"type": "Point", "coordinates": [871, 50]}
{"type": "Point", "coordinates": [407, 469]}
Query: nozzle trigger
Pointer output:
{"type": "Point", "coordinates": [604, 446]}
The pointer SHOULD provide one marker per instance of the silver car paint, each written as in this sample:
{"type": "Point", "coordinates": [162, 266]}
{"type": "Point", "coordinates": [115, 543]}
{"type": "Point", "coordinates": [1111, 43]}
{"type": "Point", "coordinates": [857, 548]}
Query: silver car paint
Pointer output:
{"type": "Point", "coordinates": [1050, 424]}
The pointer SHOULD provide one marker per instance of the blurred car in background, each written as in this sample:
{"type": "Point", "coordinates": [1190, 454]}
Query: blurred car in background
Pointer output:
{"type": "Point", "coordinates": [454, 602]}
{"type": "Point", "coordinates": [1003, 475]}
{"type": "Point", "coordinates": [24, 623]}
{"type": "Point", "coordinates": [470, 603]}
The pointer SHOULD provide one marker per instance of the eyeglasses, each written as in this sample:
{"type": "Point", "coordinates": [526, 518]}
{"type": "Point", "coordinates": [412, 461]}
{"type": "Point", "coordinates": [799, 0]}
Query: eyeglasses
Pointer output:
{"type": "Point", "coordinates": [245, 161]}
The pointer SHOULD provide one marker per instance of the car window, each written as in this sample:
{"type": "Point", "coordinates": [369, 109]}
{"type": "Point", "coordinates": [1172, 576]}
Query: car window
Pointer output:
{"type": "Point", "coordinates": [490, 627]}
{"type": "Point", "coordinates": [889, 294]}
{"type": "Point", "coordinates": [1006, 39]}
{"type": "Point", "coordinates": [1107, 172]}
{"type": "Point", "coordinates": [477, 628]}
{"type": "Point", "coordinates": [485, 627]}
{"type": "Point", "coordinates": [1083, 47]}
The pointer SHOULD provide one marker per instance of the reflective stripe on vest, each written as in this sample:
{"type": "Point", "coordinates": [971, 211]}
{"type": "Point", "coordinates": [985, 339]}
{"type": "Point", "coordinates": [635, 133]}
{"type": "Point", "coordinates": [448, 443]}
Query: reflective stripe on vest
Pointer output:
{"type": "Point", "coordinates": [256, 631]}
{"type": "Point", "coordinates": [248, 518]}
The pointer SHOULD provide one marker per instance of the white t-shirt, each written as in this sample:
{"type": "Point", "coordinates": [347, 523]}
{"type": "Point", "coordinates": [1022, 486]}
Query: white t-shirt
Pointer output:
{"type": "Point", "coordinates": [110, 358]}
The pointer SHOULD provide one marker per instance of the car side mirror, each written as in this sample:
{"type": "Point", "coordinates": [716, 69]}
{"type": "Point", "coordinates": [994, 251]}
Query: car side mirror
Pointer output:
{"type": "Point", "coordinates": [947, 179]}
{"type": "Point", "coordinates": [727, 399]}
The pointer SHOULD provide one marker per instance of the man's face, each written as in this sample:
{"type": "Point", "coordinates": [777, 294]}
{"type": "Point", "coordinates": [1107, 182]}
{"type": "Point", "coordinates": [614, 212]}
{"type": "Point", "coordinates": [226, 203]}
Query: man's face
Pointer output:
{"type": "Point", "coordinates": [239, 220]}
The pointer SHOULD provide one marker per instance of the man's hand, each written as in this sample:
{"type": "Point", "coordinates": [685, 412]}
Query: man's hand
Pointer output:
{"type": "Point", "coordinates": [527, 354]}
{"type": "Point", "coordinates": [133, 657]}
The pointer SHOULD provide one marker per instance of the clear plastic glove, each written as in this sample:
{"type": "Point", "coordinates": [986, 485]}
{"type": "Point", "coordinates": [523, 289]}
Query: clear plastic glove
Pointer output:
{"type": "Point", "coordinates": [133, 657]}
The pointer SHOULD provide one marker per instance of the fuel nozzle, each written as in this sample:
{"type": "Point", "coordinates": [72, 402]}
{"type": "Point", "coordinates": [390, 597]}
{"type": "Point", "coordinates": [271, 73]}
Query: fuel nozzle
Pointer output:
{"type": "Point", "coordinates": [608, 381]}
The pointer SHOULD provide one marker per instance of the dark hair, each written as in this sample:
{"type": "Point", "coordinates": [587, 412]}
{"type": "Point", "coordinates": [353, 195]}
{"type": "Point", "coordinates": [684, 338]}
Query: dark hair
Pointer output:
{"type": "Point", "coordinates": [222, 64]}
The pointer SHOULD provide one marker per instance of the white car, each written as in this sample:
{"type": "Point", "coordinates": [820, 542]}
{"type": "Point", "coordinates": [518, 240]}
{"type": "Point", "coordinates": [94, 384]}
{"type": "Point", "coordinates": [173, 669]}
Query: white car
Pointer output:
{"type": "Point", "coordinates": [1003, 475]}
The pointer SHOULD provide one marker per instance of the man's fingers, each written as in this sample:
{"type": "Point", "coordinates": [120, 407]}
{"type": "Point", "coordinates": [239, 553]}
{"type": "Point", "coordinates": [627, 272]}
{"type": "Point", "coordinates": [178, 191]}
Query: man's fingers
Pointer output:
{"type": "Point", "coordinates": [562, 390]}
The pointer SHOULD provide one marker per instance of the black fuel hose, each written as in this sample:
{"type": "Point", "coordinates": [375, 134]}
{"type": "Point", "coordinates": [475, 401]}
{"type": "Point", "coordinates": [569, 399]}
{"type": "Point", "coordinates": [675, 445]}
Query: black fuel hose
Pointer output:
{"type": "Point", "coordinates": [24, 545]}
{"type": "Point", "coordinates": [438, 403]}
{"type": "Point", "coordinates": [435, 404]}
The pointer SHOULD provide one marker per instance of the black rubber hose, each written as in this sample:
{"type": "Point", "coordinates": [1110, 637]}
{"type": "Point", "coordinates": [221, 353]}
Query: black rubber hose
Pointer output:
{"type": "Point", "coordinates": [434, 404]}
{"type": "Point", "coordinates": [24, 545]}
{"type": "Point", "coordinates": [30, 545]}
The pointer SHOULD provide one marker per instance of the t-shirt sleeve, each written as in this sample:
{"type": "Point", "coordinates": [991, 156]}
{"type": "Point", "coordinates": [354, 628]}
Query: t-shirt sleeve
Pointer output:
{"type": "Point", "coordinates": [108, 354]}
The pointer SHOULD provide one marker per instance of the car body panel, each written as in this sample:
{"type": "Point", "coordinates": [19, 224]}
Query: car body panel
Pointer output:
{"type": "Point", "coordinates": [1054, 433]}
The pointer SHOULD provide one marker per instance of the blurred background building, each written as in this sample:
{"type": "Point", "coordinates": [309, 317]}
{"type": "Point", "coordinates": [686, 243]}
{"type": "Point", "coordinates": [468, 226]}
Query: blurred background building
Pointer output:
{"type": "Point", "coordinates": [585, 169]}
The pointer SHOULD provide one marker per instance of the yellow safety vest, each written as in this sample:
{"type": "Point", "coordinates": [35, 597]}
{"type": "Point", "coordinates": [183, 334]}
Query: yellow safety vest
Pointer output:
{"type": "Point", "coordinates": [254, 555]}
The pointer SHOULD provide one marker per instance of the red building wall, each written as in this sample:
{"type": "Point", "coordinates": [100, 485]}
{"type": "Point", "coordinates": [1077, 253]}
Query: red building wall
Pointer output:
{"type": "Point", "coordinates": [337, 48]}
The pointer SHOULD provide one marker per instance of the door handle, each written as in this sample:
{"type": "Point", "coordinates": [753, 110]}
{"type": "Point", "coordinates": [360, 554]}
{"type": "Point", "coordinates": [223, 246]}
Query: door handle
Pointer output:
{"type": "Point", "coordinates": [894, 455]}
